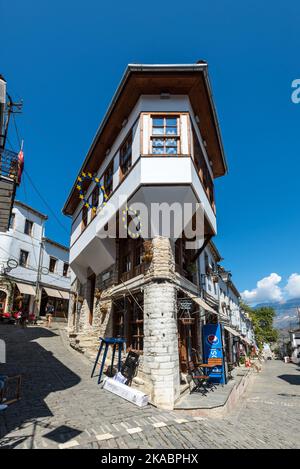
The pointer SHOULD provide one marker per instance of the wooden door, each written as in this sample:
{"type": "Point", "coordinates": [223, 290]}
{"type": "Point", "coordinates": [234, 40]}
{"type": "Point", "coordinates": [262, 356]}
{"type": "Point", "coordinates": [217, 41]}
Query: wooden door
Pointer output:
{"type": "Point", "coordinates": [92, 285]}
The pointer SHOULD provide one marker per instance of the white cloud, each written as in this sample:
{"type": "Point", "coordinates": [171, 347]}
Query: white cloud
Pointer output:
{"type": "Point", "coordinates": [292, 288]}
{"type": "Point", "coordinates": [267, 290]}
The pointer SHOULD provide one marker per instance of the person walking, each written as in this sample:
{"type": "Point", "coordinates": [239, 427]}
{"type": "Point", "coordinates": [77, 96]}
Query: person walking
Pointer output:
{"type": "Point", "coordinates": [49, 313]}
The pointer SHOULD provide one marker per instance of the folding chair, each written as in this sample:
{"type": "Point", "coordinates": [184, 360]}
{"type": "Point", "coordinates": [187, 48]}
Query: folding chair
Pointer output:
{"type": "Point", "coordinates": [199, 379]}
{"type": "Point", "coordinates": [129, 368]}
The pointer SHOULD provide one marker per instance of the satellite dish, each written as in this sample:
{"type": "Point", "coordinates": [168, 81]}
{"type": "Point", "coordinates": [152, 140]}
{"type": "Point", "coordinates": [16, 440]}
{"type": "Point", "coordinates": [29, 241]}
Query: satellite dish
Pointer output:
{"type": "Point", "coordinates": [12, 263]}
{"type": "Point", "coordinates": [45, 270]}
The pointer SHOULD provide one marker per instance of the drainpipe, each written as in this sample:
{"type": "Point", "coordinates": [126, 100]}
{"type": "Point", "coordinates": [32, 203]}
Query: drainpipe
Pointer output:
{"type": "Point", "coordinates": [38, 290]}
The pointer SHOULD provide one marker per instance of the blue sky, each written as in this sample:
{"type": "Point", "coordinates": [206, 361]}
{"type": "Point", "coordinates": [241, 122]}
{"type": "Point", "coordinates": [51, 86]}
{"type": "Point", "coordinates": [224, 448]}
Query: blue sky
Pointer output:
{"type": "Point", "coordinates": [65, 59]}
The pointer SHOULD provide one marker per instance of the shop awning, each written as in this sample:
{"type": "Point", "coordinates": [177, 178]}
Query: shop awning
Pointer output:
{"type": "Point", "coordinates": [63, 295]}
{"type": "Point", "coordinates": [201, 302]}
{"type": "Point", "coordinates": [26, 289]}
{"type": "Point", "coordinates": [247, 341]}
{"type": "Point", "coordinates": [232, 331]}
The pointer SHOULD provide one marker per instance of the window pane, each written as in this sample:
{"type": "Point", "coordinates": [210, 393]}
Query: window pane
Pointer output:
{"type": "Point", "coordinates": [171, 151]}
{"type": "Point", "coordinates": [171, 122]}
{"type": "Point", "coordinates": [171, 142]}
{"type": "Point", "coordinates": [157, 121]}
{"type": "Point", "coordinates": [158, 142]}
{"type": "Point", "coordinates": [158, 150]}
{"type": "Point", "coordinates": [158, 131]}
{"type": "Point", "coordinates": [171, 130]}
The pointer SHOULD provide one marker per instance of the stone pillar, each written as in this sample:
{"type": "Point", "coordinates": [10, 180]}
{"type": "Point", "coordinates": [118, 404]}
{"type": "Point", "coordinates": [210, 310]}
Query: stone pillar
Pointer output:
{"type": "Point", "coordinates": [161, 360]}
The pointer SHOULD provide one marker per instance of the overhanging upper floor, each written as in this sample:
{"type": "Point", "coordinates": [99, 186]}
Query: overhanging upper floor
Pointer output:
{"type": "Point", "coordinates": [189, 80]}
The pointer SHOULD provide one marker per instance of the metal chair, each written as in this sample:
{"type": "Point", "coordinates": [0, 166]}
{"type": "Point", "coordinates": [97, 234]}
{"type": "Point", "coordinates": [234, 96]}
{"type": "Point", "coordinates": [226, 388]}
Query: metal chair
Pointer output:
{"type": "Point", "coordinates": [199, 379]}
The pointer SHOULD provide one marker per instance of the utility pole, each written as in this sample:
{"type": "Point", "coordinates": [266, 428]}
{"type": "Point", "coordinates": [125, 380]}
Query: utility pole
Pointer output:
{"type": "Point", "coordinates": [12, 108]}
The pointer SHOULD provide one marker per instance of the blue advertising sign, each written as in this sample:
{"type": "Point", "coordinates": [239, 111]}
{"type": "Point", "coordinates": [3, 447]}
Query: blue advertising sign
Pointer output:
{"type": "Point", "coordinates": [213, 348]}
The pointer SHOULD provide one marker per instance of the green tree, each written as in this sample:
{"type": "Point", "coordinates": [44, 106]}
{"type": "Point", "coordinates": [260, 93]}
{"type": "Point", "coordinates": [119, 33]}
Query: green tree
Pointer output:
{"type": "Point", "coordinates": [262, 319]}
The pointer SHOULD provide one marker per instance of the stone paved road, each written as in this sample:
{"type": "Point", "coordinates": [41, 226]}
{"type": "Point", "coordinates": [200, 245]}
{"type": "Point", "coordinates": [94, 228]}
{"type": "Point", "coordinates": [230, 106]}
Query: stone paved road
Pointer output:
{"type": "Point", "coordinates": [62, 407]}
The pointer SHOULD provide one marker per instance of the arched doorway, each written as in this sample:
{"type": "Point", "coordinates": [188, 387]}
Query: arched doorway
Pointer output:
{"type": "Point", "coordinates": [3, 297]}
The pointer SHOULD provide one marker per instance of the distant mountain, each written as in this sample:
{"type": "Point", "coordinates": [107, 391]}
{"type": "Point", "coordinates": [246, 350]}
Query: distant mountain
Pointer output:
{"type": "Point", "coordinates": [286, 313]}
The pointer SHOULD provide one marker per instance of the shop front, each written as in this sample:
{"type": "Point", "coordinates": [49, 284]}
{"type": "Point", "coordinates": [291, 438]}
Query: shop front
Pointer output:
{"type": "Point", "coordinates": [24, 296]}
{"type": "Point", "coordinates": [193, 314]}
{"type": "Point", "coordinates": [58, 298]}
{"type": "Point", "coordinates": [232, 345]}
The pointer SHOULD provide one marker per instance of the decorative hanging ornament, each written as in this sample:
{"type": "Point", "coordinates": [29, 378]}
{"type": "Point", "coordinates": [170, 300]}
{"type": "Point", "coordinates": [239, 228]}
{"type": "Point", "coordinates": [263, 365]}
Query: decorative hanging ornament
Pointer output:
{"type": "Point", "coordinates": [97, 182]}
{"type": "Point", "coordinates": [133, 214]}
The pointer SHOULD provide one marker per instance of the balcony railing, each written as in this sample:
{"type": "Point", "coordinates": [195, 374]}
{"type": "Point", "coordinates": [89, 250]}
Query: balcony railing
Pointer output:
{"type": "Point", "coordinates": [9, 164]}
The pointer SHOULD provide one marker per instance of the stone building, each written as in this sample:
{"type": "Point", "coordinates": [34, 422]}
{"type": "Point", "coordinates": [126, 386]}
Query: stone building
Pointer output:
{"type": "Point", "coordinates": [159, 143]}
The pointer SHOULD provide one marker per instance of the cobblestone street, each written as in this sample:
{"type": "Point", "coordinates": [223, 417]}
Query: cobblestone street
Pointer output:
{"type": "Point", "coordinates": [61, 407]}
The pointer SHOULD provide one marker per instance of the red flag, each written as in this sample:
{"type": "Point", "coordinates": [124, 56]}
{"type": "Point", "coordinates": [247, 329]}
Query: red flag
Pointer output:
{"type": "Point", "coordinates": [20, 166]}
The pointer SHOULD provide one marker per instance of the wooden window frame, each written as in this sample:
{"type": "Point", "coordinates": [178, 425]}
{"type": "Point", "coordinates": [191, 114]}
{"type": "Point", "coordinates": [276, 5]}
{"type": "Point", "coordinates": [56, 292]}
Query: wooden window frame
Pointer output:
{"type": "Point", "coordinates": [108, 177]}
{"type": "Point", "coordinates": [126, 156]}
{"type": "Point", "coordinates": [30, 224]}
{"type": "Point", "coordinates": [95, 201]}
{"type": "Point", "coordinates": [128, 321]}
{"type": "Point", "coordinates": [27, 257]}
{"type": "Point", "coordinates": [132, 249]}
{"type": "Point", "coordinates": [65, 272]}
{"type": "Point", "coordinates": [165, 136]}
{"type": "Point", "coordinates": [91, 296]}
{"type": "Point", "coordinates": [84, 217]}
{"type": "Point", "coordinates": [182, 256]}
{"type": "Point", "coordinates": [55, 265]}
{"type": "Point", "coordinates": [202, 169]}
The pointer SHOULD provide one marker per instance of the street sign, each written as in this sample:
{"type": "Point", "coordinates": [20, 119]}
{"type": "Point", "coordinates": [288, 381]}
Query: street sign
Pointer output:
{"type": "Point", "coordinates": [12, 263]}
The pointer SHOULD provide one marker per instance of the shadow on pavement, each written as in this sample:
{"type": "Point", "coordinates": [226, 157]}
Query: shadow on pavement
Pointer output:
{"type": "Point", "coordinates": [291, 379]}
{"type": "Point", "coordinates": [42, 374]}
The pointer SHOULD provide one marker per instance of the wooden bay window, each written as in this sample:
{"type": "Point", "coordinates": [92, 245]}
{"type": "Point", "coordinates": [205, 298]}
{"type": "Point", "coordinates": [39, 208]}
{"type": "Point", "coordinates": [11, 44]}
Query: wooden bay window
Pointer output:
{"type": "Point", "coordinates": [108, 178]}
{"type": "Point", "coordinates": [203, 170]}
{"type": "Point", "coordinates": [165, 138]}
{"type": "Point", "coordinates": [126, 156]}
{"type": "Point", "coordinates": [84, 219]}
{"type": "Point", "coordinates": [95, 200]}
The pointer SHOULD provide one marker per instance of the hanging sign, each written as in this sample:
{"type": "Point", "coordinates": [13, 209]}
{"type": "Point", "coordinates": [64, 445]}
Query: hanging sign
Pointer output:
{"type": "Point", "coordinates": [185, 303]}
{"type": "Point", "coordinates": [212, 345]}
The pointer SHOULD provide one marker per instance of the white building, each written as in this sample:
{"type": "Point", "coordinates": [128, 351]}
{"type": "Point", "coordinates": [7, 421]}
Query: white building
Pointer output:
{"type": "Point", "coordinates": [159, 142]}
{"type": "Point", "coordinates": [295, 345]}
{"type": "Point", "coordinates": [34, 269]}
